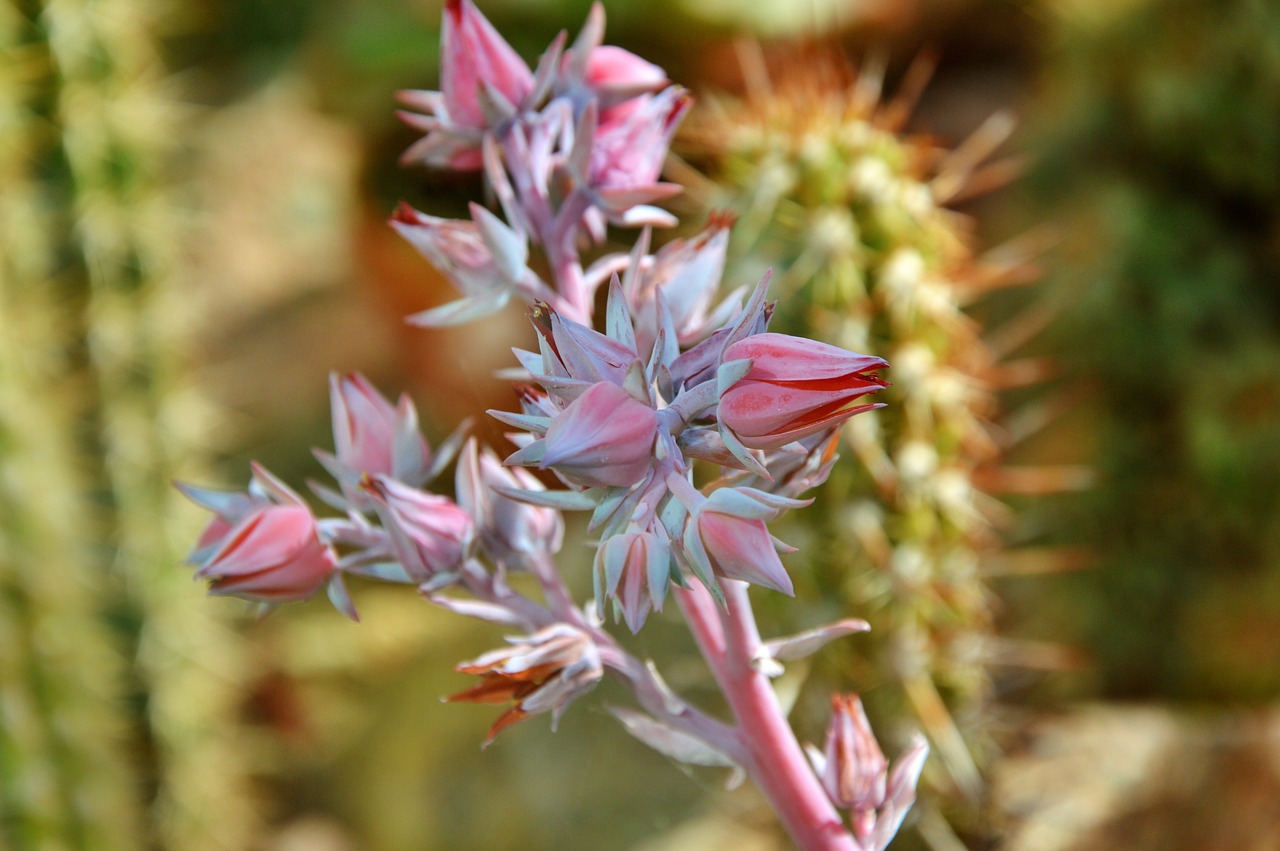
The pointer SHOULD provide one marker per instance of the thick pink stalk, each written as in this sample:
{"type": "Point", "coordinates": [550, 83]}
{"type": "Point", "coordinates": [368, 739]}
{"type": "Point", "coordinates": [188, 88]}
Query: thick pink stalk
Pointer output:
{"type": "Point", "coordinates": [773, 758]}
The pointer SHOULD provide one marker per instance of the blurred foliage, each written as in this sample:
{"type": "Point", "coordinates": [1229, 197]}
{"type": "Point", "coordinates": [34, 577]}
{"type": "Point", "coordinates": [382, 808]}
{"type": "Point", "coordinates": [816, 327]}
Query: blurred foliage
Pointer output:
{"type": "Point", "coordinates": [1159, 148]}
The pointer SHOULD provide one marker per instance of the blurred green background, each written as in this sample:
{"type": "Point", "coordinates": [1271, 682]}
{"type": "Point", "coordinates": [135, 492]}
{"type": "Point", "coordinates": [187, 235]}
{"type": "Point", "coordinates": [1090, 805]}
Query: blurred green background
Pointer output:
{"type": "Point", "coordinates": [192, 198]}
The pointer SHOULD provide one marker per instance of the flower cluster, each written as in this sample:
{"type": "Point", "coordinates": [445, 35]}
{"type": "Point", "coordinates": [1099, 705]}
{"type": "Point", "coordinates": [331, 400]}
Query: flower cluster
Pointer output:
{"type": "Point", "coordinates": [567, 148]}
{"type": "Point", "coordinates": [620, 425]}
{"type": "Point", "coordinates": [618, 414]}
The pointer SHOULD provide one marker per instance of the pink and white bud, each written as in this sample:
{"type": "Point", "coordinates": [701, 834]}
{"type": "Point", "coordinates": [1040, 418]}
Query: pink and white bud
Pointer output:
{"type": "Point", "coordinates": [273, 554]}
{"type": "Point", "coordinates": [855, 771]}
{"type": "Point", "coordinates": [603, 439]}
{"type": "Point", "coordinates": [633, 570]}
{"type": "Point", "coordinates": [572, 350]}
{"type": "Point", "coordinates": [430, 535]}
{"type": "Point", "coordinates": [728, 535]}
{"type": "Point", "coordinates": [629, 151]}
{"type": "Point", "coordinates": [617, 77]}
{"type": "Point", "coordinates": [794, 388]}
{"type": "Point", "coordinates": [688, 273]}
{"type": "Point", "coordinates": [476, 61]}
{"type": "Point", "coordinates": [857, 777]}
{"type": "Point", "coordinates": [370, 436]}
{"type": "Point", "coordinates": [505, 527]}
{"type": "Point", "coordinates": [543, 672]}
{"type": "Point", "coordinates": [458, 248]}
{"type": "Point", "coordinates": [742, 549]}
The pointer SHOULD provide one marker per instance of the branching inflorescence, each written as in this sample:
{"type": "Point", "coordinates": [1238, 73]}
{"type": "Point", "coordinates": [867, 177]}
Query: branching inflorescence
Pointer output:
{"type": "Point", "coordinates": [619, 416]}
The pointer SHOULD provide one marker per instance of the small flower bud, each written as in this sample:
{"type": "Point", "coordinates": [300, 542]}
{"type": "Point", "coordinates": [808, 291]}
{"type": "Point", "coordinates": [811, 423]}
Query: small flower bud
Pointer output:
{"type": "Point", "coordinates": [505, 526]}
{"type": "Point", "coordinates": [272, 555]}
{"type": "Point", "coordinates": [795, 388]}
{"type": "Point", "coordinates": [372, 437]}
{"type": "Point", "coordinates": [474, 55]}
{"type": "Point", "coordinates": [633, 569]}
{"type": "Point", "coordinates": [603, 439]}
{"type": "Point", "coordinates": [429, 534]}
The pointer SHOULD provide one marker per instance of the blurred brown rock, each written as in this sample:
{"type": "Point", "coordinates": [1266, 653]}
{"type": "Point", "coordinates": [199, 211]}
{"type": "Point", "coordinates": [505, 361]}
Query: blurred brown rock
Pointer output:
{"type": "Point", "coordinates": [1126, 778]}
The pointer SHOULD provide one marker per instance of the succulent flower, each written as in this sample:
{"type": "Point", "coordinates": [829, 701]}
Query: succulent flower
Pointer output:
{"type": "Point", "coordinates": [616, 77]}
{"type": "Point", "coordinates": [483, 258]}
{"type": "Point", "coordinates": [633, 570]}
{"type": "Point", "coordinates": [542, 672]}
{"type": "Point", "coordinates": [273, 555]}
{"type": "Point", "coordinates": [687, 272]}
{"type": "Point", "coordinates": [476, 62]}
{"type": "Point", "coordinates": [795, 387]}
{"type": "Point", "coordinates": [480, 75]}
{"type": "Point", "coordinates": [373, 437]}
{"type": "Point", "coordinates": [603, 439]}
{"type": "Point", "coordinates": [629, 149]}
{"type": "Point", "coordinates": [857, 777]}
{"type": "Point", "coordinates": [430, 534]}
{"type": "Point", "coordinates": [504, 526]}
{"type": "Point", "coordinates": [726, 535]}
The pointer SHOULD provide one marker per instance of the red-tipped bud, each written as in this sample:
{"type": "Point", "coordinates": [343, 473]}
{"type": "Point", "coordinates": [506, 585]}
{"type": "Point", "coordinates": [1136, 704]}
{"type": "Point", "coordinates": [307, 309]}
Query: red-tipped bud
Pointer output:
{"type": "Point", "coordinates": [795, 387]}
{"type": "Point", "coordinates": [272, 555]}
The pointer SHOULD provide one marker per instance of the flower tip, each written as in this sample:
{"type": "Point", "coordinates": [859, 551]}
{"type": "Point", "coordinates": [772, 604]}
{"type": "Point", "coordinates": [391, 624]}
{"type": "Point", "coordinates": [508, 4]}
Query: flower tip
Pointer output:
{"type": "Point", "coordinates": [404, 215]}
{"type": "Point", "coordinates": [722, 219]}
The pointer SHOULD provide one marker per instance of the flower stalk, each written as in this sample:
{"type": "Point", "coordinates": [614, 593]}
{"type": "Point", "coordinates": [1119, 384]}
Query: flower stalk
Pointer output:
{"type": "Point", "coordinates": [617, 408]}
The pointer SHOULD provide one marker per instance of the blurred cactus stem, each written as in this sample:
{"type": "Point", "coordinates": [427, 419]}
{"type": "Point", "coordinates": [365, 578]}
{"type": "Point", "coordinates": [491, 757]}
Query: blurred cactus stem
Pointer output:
{"type": "Point", "coordinates": [850, 213]}
{"type": "Point", "coordinates": [65, 779]}
{"type": "Point", "coordinates": [95, 420]}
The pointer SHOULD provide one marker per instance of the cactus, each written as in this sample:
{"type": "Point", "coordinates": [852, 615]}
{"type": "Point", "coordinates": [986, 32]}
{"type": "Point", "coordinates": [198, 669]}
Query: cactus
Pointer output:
{"type": "Point", "coordinates": [95, 419]}
{"type": "Point", "coordinates": [65, 780]}
{"type": "Point", "coordinates": [850, 213]}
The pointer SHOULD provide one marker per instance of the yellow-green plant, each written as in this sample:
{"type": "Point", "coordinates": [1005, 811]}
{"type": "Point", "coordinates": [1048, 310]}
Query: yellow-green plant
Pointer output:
{"type": "Point", "coordinates": [65, 780]}
{"type": "Point", "coordinates": [851, 213]}
{"type": "Point", "coordinates": [96, 420]}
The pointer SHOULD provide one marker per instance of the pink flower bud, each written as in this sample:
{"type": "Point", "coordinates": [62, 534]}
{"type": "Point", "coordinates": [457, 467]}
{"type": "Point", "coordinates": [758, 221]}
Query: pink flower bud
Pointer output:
{"type": "Point", "coordinates": [856, 771]}
{"type": "Point", "coordinates": [457, 248]}
{"type": "Point", "coordinates": [742, 548]}
{"type": "Point", "coordinates": [688, 273]}
{"type": "Point", "coordinates": [372, 437]}
{"type": "Point", "coordinates": [633, 570]}
{"type": "Point", "coordinates": [617, 77]}
{"type": "Point", "coordinates": [429, 533]}
{"type": "Point", "coordinates": [505, 526]}
{"type": "Point", "coordinates": [795, 388]}
{"type": "Point", "coordinates": [603, 439]}
{"type": "Point", "coordinates": [630, 149]}
{"type": "Point", "coordinates": [271, 555]}
{"type": "Point", "coordinates": [543, 672]}
{"type": "Point", "coordinates": [857, 777]}
{"type": "Point", "coordinates": [474, 55]}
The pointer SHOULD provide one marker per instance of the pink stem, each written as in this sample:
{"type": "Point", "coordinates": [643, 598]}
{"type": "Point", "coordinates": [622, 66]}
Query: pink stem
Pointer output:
{"type": "Point", "coordinates": [562, 254]}
{"type": "Point", "coordinates": [729, 640]}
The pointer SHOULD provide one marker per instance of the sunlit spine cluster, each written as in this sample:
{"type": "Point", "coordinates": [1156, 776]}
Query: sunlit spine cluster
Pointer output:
{"type": "Point", "coordinates": [119, 238]}
{"type": "Point", "coordinates": [849, 212]}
